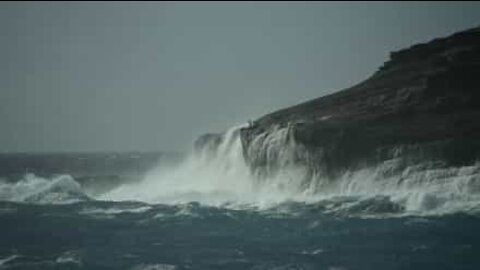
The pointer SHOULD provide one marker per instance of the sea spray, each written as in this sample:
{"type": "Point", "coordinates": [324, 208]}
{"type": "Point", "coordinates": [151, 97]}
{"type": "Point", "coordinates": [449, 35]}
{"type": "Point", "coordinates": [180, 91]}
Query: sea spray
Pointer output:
{"type": "Point", "coordinates": [218, 175]}
{"type": "Point", "coordinates": [34, 189]}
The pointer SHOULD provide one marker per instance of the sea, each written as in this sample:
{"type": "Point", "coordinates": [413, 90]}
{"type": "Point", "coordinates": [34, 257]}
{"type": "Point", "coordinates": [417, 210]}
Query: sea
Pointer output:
{"type": "Point", "coordinates": [207, 210]}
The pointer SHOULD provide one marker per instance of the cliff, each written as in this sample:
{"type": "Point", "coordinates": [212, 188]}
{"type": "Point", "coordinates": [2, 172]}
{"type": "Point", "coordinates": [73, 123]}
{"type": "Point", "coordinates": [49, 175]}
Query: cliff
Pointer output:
{"type": "Point", "coordinates": [424, 103]}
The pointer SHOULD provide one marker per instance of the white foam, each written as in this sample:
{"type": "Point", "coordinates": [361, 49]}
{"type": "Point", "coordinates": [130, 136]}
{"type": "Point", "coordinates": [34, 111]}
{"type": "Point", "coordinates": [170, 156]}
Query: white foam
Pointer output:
{"type": "Point", "coordinates": [95, 211]}
{"type": "Point", "coordinates": [8, 259]}
{"type": "Point", "coordinates": [418, 189]}
{"type": "Point", "coordinates": [212, 177]}
{"type": "Point", "coordinates": [215, 178]}
{"type": "Point", "coordinates": [220, 177]}
{"type": "Point", "coordinates": [313, 252]}
{"type": "Point", "coordinates": [160, 266]}
{"type": "Point", "coordinates": [69, 257]}
{"type": "Point", "coordinates": [32, 189]}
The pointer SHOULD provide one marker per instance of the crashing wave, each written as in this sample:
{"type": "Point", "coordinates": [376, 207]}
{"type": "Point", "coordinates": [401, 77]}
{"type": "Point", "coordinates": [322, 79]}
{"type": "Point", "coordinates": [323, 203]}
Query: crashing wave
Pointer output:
{"type": "Point", "coordinates": [219, 176]}
{"type": "Point", "coordinates": [33, 189]}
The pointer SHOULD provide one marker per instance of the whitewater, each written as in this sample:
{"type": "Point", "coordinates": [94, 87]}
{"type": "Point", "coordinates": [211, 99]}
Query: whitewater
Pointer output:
{"type": "Point", "coordinates": [222, 178]}
{"type": "Point", "coordinates": [212, 210]}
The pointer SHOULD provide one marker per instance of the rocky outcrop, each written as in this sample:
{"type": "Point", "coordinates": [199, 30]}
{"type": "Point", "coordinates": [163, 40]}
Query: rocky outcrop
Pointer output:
{"type": "Point", "coordinates": [424, 103]}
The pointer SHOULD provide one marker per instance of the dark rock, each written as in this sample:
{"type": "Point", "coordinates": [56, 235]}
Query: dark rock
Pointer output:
{"type": "Point", "coordinates": [424, 100]}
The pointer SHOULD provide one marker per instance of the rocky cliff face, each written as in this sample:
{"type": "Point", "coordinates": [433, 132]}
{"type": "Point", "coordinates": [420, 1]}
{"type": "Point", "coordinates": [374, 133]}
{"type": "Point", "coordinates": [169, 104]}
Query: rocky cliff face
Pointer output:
{"type": "Point", "coordinates": [423, 104]}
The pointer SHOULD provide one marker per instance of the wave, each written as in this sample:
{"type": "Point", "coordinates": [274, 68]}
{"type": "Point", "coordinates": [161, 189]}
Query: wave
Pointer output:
{"type": "Point", "coordinates": [33, 189]}
{"type": "Point", "coordinates": [215, 176]}
{"type": "Point", "coordinates": [112, 211]}
{"type": "Point", "coordinates": [219, 176]}
{"type": "Point", "coordinates": [10, 258]}
{"type": "Point", "coordinates": [422, 188]}
{"type": "Point", "coordinates": [154, 267]}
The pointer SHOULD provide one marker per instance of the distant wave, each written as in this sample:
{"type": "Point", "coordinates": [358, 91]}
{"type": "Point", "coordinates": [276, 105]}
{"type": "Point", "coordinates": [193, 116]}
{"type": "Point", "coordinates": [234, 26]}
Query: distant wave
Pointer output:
{"type": "Point", "coordinates": [34, 189]}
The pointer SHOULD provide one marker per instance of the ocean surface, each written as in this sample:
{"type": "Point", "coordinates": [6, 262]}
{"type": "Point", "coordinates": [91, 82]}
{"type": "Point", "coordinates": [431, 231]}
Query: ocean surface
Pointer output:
{"type": "Point", "coordinates": [204, 211]}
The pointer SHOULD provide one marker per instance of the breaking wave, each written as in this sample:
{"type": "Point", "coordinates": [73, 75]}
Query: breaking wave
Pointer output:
{"type": "Point", "coordinates": [33, 189]}
{"type": "Point", "coordinates": [218, 176]}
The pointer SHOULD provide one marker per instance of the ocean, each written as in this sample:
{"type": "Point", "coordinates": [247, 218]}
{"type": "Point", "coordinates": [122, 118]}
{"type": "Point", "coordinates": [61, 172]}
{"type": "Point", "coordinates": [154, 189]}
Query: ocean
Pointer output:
{"type": "Point", "coordinates": [207, 210]}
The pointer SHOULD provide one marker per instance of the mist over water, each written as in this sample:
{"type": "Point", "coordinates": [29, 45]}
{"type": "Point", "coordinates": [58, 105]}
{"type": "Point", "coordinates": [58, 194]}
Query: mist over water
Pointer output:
{"type": "Point", "coordinates": [216, 176]}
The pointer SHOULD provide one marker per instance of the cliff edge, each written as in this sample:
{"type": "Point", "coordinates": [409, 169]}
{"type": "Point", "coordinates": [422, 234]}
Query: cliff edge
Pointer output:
{"type": "Point", "coordinates": [424, 103]}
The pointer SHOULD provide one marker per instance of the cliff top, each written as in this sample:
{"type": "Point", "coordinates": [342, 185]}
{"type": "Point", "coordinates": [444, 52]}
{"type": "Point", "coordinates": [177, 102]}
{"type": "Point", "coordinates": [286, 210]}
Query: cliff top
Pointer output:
{"type": "Point", "coordinates": [406, 70]}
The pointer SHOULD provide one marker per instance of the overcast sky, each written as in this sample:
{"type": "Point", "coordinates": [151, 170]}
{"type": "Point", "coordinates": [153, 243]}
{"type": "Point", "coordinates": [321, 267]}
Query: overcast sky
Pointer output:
{"type": "Point", "coordinates": [153, 76]}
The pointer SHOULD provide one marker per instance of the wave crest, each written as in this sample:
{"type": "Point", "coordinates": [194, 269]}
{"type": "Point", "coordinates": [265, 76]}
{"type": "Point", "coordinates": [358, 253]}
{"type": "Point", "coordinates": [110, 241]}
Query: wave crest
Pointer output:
{"type": "Point", "coordinates": [33, 189]}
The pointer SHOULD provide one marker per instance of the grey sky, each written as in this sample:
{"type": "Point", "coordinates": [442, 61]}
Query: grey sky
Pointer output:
{"type": "Point", "coordinates": [153, 76]}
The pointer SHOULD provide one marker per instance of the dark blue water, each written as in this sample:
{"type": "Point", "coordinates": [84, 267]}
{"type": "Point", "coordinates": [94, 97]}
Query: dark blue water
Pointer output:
{"type": "Point", "coordinates": [106, 235]}
{"type": "Point", "coordinates": [51, 221]}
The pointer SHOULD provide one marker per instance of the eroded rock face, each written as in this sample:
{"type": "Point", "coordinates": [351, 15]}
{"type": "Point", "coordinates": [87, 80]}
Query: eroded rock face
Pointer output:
{"type": "Point", "coordinates": [424, 103]}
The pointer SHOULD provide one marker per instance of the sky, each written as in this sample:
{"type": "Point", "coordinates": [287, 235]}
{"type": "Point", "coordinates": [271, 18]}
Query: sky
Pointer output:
{"type": "Point", "coordinates": [152, 76]}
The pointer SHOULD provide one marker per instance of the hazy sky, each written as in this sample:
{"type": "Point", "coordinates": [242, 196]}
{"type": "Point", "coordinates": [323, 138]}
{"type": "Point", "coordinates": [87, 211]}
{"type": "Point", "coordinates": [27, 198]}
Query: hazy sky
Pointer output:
{"type": "Point", "coordinates": [153, 76]}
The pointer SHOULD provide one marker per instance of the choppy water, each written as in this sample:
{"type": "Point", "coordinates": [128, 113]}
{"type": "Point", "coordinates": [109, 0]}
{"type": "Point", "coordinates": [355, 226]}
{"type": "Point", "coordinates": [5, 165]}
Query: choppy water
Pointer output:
{"type": "Point", "coordinates": [128, 235]}
{"type": "Point", "coordinates": [210, 212]}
